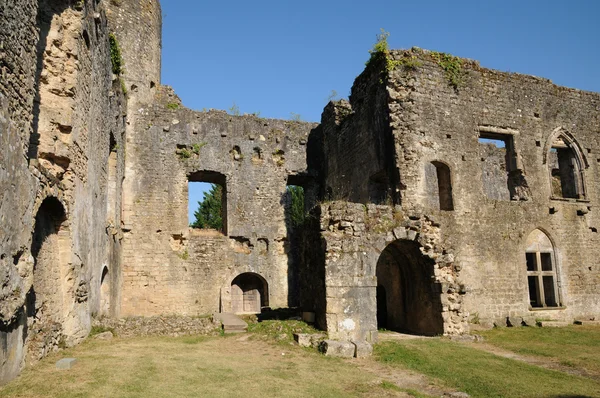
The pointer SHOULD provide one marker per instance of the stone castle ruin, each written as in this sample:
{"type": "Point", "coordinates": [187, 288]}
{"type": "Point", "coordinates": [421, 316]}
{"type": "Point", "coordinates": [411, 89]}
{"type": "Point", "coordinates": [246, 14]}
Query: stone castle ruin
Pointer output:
{"type": "Point", "coordinates": [440, 195]}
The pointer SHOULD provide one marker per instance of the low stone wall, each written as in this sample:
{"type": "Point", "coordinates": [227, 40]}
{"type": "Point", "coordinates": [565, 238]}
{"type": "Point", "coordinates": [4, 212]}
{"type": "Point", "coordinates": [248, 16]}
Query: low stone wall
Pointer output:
{"type": "Point", "coordinates": [160, 326]}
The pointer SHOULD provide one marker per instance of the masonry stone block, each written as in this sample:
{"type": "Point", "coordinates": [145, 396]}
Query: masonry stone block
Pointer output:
{"type": "Point", "coordinates": [334, 348]}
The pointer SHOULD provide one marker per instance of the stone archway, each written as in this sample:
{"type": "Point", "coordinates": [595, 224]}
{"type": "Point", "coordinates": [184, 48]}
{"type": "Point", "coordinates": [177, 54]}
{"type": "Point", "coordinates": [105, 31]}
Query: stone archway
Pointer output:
{"type": "Point", "coordinates": [408, 299]}
{"type": "Point", "coordinates": [45, 305]}
{"type": "Point", "coordinates": [249, 293]}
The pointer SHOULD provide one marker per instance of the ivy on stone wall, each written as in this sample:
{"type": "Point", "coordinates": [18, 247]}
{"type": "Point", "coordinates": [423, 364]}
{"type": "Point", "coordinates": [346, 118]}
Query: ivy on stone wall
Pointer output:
{"type": "Point", "coordinates": [115, 55]}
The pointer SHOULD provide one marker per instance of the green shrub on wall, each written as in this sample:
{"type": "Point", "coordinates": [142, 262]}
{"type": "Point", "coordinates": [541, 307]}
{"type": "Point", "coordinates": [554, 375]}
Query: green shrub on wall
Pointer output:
{"type": "Point", "coordinates": [115, 55]}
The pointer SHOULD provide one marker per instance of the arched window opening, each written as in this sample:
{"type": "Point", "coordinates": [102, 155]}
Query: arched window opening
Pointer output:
{"type": "Point", "coordinates": [565, 167]}
{"type": "Point", "coordinates": [249, 293]}
{"type": "Point", "coordinates": [408, 300]}
{"type": "Point", "coordinates": [439, 186]}
{"type": "Point", "coordinates": [542, 276]}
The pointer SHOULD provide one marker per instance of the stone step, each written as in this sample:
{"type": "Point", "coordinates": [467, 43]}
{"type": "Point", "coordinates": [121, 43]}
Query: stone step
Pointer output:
{"type": "Point", "coordinates": [231, 323]}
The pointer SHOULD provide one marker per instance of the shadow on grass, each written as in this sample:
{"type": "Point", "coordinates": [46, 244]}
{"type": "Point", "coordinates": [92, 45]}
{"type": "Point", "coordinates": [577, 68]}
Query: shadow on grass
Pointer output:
{"type": "Point", "coordinates": [280, 314]}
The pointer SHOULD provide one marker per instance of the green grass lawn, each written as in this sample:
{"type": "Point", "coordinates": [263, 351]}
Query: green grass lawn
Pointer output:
{"type": "Point", "coordinates": [194, 367]}
{"type": "Point", "coordinates": [573, 346]}
{"type": "Point", "coordinates": [482, 374]}
{"type": "Point", "coordinates": [266, 364]}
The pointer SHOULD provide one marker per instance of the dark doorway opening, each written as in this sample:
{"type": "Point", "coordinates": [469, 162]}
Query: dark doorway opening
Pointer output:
{"type": "Point", "coordinates": [50, 248]}
{"type": "Point", "coordinates": [408, 300]}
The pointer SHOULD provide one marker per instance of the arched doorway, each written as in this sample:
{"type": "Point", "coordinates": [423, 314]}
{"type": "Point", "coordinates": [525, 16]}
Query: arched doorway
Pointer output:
{"type": "Point", "coordinates": [408, 299]}
{"type": "Point", "coordinates": [50, 248]}
{"type": "Point", "coordinates": [249, 293]}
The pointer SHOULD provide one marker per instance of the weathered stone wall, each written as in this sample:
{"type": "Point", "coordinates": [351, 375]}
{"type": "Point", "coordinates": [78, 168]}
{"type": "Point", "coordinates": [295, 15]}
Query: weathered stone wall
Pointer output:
{"type": "Point", "coordinates": [492, 197]}
{"type": "Point", "coordinates": [353, 238]}
{"type": "Point", "coordinates": [433, 121]}
{"type": "Point", "coordinates": [58, 108]}
{"type": "Point", "coordinates": [356, 144]}
{"type": "Point", "coordinates": [171, 269]}
{"type": "Point", "coordinates": [137, 25]}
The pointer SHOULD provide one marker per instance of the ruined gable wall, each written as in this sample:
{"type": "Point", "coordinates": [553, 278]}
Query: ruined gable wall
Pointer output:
{"type": "Point", "coordinates": [43, 102]}
{"type": "Point", "coordinates": [434, 122]}
{"type": "Point", "coordinates": [169, 269]}
{"type": "Point", "coordinates": [356, 144]}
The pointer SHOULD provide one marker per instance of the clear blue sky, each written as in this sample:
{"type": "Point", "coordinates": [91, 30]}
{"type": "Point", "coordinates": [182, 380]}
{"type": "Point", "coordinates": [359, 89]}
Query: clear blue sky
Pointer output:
{"type": "Point", "coordinates": [277, 57]}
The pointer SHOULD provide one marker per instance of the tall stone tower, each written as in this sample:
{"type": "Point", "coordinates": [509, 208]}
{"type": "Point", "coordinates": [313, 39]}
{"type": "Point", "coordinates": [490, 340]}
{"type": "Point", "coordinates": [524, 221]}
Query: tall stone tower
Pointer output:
{"type": "Point", "coordinates": [137, 25]}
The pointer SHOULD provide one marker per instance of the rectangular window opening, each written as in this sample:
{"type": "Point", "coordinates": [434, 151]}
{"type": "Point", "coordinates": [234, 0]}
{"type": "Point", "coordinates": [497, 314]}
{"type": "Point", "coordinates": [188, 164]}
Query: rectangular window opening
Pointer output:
{"type": "Point", "coordinates": [378, 188]}
{"type": "Point", "coordinates": [564, 177]}
{"type": "Point", "coordinates": [496, 164]}
{"type": "Point", "coordinates": [531, 262]}
{"type": "Point", "coordinates": [294, 206]}
{"type": "Point", "coordinates": [112, 183]}
{"type": "Point", "coordinates": [549, 291]}
{"type": "Point", "coordinates": [546, 261]}
{"type": "Point", "coordinates": [534, 297]}
{"type": "Point", "coordinates": [207, 201]}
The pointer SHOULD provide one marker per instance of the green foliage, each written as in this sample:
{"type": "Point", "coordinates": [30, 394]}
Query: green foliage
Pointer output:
{"type": "Point", "coordinates": [381, 46]}
{"type": "Point", "coordinates": [184, 153]}
{"type": "Point", "coordinates": [381, 51]}
{"type": "Point", "coordinates": [123, 86]}
{"type": "Point", "coordinates": [409, 62]}
{"type": "Point", "coordinates": [234, 110]}
{"type": "Point", "coordinates": [296, 209]}
{"type": "Point", "coordinates": [115, 55]}
{"type": "Point", "coordinates": [452, 66]}
{"type": "Point", "coordinates": [209, 213]}
{"type": "Point", "coordinates": [196, 147]}
{"type": "Point", "coordinates": [184, 255]}
{"type": "Point", "coordinates": [172, 106]}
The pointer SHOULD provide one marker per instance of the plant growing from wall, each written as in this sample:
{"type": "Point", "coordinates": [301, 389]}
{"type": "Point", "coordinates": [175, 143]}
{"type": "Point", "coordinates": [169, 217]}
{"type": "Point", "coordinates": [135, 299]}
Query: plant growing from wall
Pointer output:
{"type": "Point", "coordinates": [234, 110]}
{"type": "Point", "coordinates": [196, 147]}
{"type": "Point", "coordinates": [115, 54]}
{"type": "Point", "coordinates": [381, 51]}
{"type": "Point", "coordinates": [173, 106]}
{"type": "Point", "coordinates": [452, 67]}
{"type": "Point", "coordinates": [295, 117]}
{"type": "Point", "coordinates": [184, 153]}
